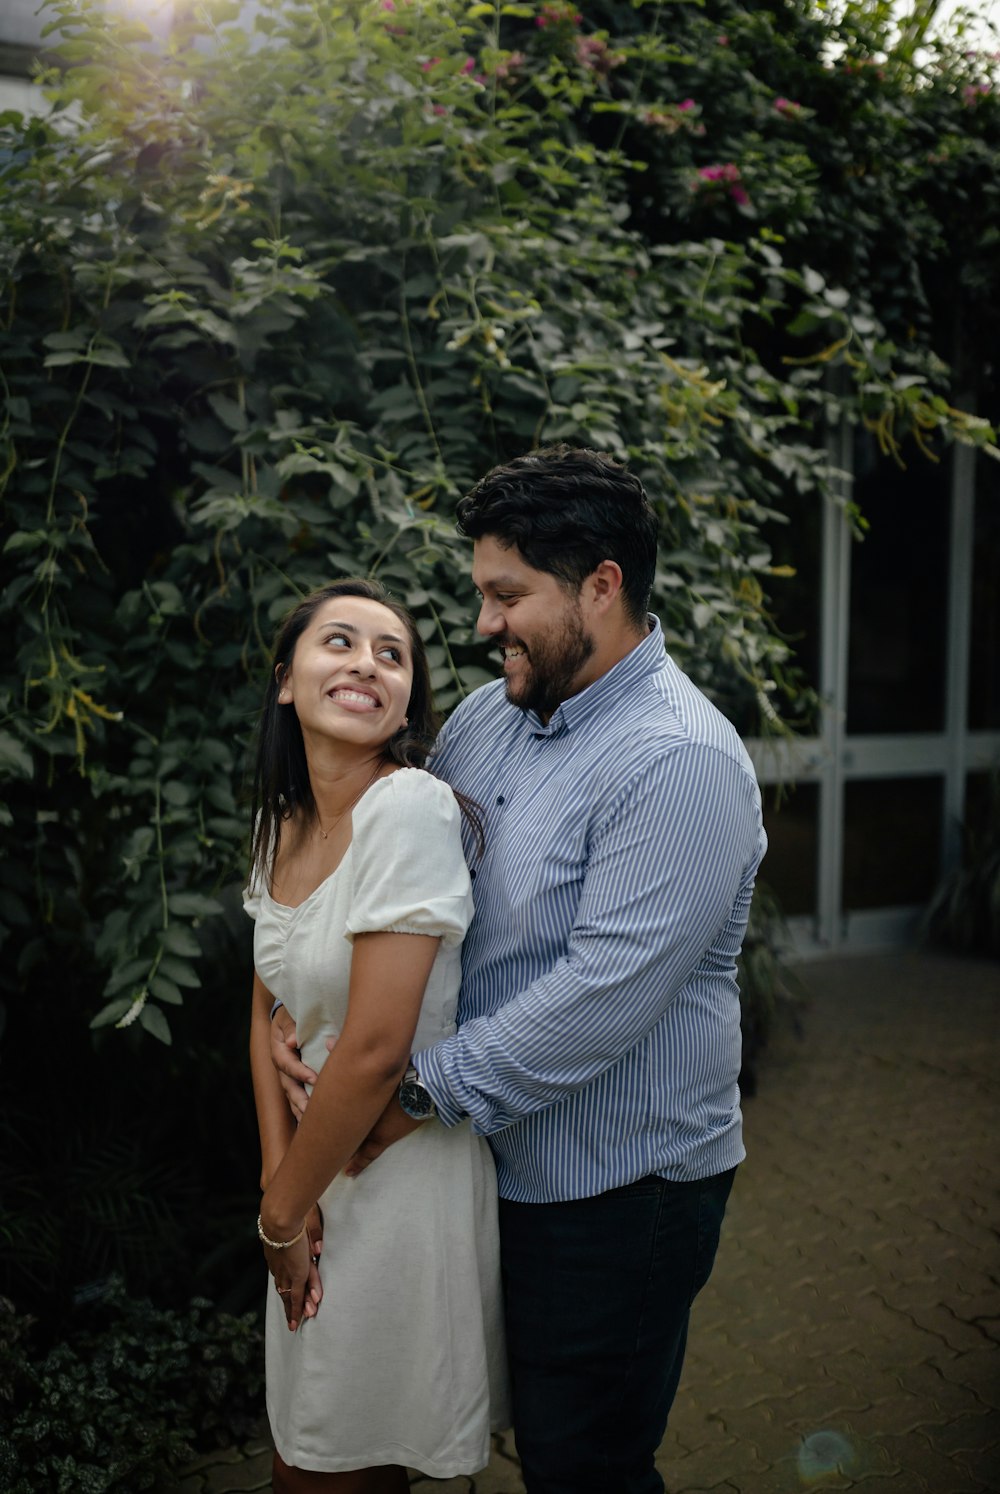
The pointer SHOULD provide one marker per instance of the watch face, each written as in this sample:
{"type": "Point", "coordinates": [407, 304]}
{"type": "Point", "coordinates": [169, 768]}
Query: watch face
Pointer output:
{"type": "Point", "coordinates": [415, 1100]}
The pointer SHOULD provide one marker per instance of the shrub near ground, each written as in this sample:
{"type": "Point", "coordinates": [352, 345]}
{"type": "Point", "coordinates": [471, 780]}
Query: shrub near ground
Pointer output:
{"type": "Point", "coordinates": [269, 300]}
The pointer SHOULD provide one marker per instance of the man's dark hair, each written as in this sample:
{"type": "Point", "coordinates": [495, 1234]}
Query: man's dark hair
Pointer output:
{"type": "Point", "coordinates": [567, 509]}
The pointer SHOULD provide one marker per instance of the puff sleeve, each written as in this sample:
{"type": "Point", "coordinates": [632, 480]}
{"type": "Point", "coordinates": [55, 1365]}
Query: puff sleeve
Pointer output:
{"type": "Point", "coordinates": [409, 871]}
{"type": "Point", "coordinates": [251, 898]}
{"type": "Point", "coordinates": [253, 891]}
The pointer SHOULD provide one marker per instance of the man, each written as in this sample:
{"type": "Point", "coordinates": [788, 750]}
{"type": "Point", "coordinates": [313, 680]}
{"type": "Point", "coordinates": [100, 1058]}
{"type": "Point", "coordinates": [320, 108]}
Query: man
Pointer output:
{"type": "Point", "coordinates": [599, 1043]}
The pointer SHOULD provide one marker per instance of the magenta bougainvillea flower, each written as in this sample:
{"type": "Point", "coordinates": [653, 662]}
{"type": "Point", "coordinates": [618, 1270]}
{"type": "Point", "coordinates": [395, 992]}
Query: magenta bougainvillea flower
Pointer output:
{"type": "Point", "coordinates": [790, 108]}
{"type": "Point", "coordinates": [593, 53]}
{"type": "Point", "coordinates": [973, 92]}
{"type": "Point", "coordinates": [674, 117]}
{"type": "Point", "coordinates": [726, 176]}
{"type": "Point", "coordinates": [553, 14]}
{"type": "Point", "coordinates": [508, 66]}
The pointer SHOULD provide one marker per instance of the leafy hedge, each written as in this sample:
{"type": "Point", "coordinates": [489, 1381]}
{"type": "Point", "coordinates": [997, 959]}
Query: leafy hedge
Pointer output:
{"type": "Point", "coordinates": [127, 1400]}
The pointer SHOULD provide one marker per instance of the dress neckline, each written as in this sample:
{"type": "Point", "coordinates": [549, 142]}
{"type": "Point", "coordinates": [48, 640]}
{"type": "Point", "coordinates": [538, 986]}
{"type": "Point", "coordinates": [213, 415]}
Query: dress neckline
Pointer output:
{"type": "Point", "coordinates": [294, 907]}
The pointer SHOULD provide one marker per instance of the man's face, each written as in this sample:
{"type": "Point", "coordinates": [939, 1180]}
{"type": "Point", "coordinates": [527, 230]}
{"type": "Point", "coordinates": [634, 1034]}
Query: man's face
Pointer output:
{"type": "Point", "coordinates": [536, 622]}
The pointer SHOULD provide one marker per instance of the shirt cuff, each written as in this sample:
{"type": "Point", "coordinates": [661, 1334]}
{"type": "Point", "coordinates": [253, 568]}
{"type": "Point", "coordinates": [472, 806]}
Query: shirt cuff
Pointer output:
{"type": "Point", "coordinates": [430, 1071]}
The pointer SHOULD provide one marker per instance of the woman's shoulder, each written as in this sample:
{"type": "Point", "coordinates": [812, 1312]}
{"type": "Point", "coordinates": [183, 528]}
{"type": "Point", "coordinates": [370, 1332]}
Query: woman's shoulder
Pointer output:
{"type": "Point", "coordinates": [410, 791]}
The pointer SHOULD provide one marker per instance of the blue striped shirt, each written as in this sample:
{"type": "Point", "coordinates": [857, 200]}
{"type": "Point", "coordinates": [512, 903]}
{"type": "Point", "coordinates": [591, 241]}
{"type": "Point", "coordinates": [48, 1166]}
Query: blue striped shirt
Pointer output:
{"type": "Point", "coordinates": [599, 1035]}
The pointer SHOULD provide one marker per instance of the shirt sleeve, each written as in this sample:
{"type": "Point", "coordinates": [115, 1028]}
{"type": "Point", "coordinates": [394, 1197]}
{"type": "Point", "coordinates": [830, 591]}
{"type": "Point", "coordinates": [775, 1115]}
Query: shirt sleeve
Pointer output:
{"type": "Point", "coordinates": [670, 865]}
{"type": "Point", "coordinates": [410, 875]}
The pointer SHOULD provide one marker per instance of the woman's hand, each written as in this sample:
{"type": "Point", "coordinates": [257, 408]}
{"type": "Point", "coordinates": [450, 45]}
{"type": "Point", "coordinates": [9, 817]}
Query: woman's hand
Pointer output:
{"type": "Point", "coordinates": [296, 1277]}
{"type": "Point", "coordinates": [314, 1234]}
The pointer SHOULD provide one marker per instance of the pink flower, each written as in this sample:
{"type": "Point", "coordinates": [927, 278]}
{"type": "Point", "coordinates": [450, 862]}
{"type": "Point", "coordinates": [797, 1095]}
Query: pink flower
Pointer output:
{"type": "Point", "coordinates": [790, 108]}
{"type": "Point", "coordinates": [593, 53]}
{"type": "Point", "coordinates": [509, 65]}
{"type": "Point", "coordinates": [674, 117]}
{"type": "Point", "coordinates": [553, 12]}
{"type": "Point", "coordinates": [469, 65]}
{"type": "Point", "coordinates": [387, 5]}
{"type": "Point", "coordinates": [722, 41]}
{"type": "Point", "coordinates": [425, 67]}
{"type": "Point", "coordinates": [973, 92]}
{"type": "Point", "coordinates": [727, 175]}
{"type": "Point", "coordinates": [439, 109]}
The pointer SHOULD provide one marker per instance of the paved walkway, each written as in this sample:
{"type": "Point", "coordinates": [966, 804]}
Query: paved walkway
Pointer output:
{"type": "Point", "coordinates": [849, 1335]}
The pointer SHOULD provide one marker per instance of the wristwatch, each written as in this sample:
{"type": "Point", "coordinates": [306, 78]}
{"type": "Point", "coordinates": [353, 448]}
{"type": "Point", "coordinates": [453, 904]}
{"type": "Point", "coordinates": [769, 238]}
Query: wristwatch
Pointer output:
{"type": "Point", "coordinates": [415, 1099]}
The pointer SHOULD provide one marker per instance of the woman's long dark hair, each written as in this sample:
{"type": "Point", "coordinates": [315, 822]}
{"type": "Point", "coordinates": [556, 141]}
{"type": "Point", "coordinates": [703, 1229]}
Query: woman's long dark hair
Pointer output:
{"type": "Point", "coordinates": [281, 784]}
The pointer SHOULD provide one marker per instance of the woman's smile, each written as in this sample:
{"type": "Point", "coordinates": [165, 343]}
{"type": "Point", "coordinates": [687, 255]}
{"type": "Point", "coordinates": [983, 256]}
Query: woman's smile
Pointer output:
{"type": "Point", "coordinates": [353, 699]}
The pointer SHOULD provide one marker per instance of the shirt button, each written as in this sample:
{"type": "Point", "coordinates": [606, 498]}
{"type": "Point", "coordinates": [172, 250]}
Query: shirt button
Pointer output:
{"type": "Point", "coordinates": [499, 798]}
{"type": "Point", "coordinates": [472, 874]}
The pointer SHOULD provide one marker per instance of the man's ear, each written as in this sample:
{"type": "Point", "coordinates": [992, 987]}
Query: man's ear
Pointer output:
{"type": "Point", "coordinates": [605, 585]}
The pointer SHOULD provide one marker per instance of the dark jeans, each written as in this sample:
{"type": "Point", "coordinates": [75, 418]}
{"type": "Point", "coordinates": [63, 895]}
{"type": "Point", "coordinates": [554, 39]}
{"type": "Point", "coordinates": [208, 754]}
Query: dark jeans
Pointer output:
{"type": "Point", "coordinates": [598, 1292]}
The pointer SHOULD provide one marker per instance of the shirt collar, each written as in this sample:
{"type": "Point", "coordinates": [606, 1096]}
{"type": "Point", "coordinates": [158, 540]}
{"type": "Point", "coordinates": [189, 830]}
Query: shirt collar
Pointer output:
{"type": "Point", "coordinates": [611, 690]}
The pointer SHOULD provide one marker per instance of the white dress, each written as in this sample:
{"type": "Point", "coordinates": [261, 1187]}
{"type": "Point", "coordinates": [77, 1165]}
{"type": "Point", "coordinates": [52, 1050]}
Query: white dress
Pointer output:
{"type": "Point", "coordinates": [404, 1361]}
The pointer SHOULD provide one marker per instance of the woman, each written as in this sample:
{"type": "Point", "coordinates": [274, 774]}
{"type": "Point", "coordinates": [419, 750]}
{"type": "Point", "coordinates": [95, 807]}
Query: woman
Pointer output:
{"type": "Point", "coordinates": [361, 899]}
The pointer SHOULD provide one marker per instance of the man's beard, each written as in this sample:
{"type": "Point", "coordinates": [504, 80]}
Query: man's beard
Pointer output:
{"type": "Point", "coordinates": [552, 665]}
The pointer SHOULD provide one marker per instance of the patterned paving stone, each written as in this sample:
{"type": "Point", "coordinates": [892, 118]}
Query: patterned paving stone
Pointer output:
{"type": "Point", "coordinates": [964, 1434]}
{"type": "Point", "coordinates": [710, 1465]}
{"type": "Point", "coordinates": [756, 1428]}
{"type": "Point", "coordinates": [927, 1471]}
{"type": "Point", "coordinates": [956, 1393]}
{"type": "Point", "coordinates": [235, 1478]}
{"type": "Point", "coordinates": [985, 1465]}
{"type": "Point", "coordinates": [498, 1478]}
{"type": "Point", "coordinates": [503, 1476]}
{"type": "Point", "coordinates": [216, 1455]}
{"type": "Point", "coordinates": [978, 1371]}
{"type": "Point", "coordinates": [443, 1486]}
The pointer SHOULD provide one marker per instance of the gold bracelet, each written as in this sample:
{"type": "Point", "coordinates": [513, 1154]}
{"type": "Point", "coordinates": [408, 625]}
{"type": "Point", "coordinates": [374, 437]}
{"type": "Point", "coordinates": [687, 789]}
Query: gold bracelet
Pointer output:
{"type": "Point", "coordinates": [278, 1244]}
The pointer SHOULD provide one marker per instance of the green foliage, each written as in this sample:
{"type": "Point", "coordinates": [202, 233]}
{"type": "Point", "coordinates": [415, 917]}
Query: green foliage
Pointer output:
{"type": "Point", "coordinates": [272, 298]}
{"type": "Point", "coordinates": [964, 913]}
{"type": "Point", "coordinates": [126, 1399]}
{"type": "Point", "coordinates": [771, 994]}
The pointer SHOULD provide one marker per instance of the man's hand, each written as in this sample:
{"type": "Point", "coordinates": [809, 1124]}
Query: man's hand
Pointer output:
{"type": "Point", "coordinates": [292, 1072]}
{"type": "Point", "coordinates": [392, 1125]}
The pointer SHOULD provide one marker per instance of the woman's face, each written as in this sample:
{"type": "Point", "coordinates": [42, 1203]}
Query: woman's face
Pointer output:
{"type": "Point", "coordinates": [351, 674]}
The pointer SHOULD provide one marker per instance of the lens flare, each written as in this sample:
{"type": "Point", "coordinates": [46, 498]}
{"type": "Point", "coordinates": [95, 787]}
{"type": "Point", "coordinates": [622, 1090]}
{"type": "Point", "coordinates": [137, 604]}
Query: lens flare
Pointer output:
{"type": "Point", "coordinates": [823, 1453]}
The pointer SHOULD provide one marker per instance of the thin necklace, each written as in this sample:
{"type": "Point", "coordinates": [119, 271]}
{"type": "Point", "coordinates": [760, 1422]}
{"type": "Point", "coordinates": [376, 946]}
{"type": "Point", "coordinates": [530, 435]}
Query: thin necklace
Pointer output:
{"type": "Point", "coordinates": [325, 834]}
